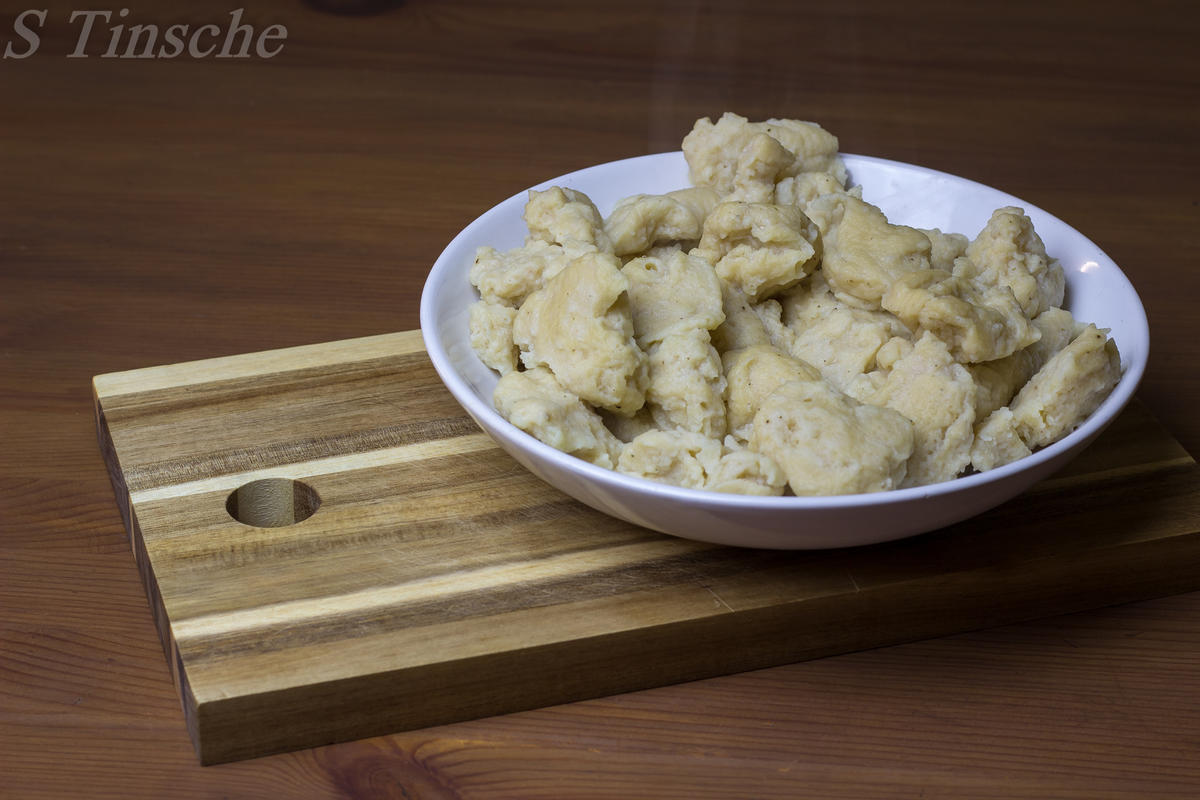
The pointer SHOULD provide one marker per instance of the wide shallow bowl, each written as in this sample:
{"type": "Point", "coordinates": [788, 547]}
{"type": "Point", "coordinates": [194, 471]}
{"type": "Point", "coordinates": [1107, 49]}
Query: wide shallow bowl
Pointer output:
{"type": "Point", "coordinates": [1097, 291]}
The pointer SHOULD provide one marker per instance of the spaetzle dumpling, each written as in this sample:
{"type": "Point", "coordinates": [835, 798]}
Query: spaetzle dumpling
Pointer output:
{"type": "Point", "coordinates": [828, 443]}
{"type": "Point", "coordinates": [580, 327]}
{"type": "Point", "coordinates": [768, 327]}
{"type": "Point", "coordinates": [864, 254]}
{"type": "Point", "coordinates": [977, 323]}
{"type": "Point", "coordinates": [813, 148]}
{"type": "Point", "coordinates": [802, 189]}
{"type": "Point", "coordinates": [997, 442]}
{"type": "Point", "coordinates": [742, 327]}
{"type": "Point", "coordinates": [730, 155]}
{"type": "Point", "coordinates": [751, 375]}
{"type": "Point", "coordinates": [538, 404]}
{"type": "Point", "coordinates": [1067, 389]}
{"type": "Point", "coordinates": [671, 293]}
{"type": "Point", "coordinates": [945, 248]}
{"type": "Point", "coordinates": [1008, 252]}
{"type": "Point", "coordinates": [491, 331]}
{"type": "Point", "coordinates": [510, 276]}
{"type": "Point", "coordinates": [687, 384]}
{"type": "Point", "coordinates": [693, 461]}
{"type": "Point", "coordinates": [566, 217]}
{"type": "Point", "coordinates": [761, 162]}
{"type": "Point", "coordinates": [936, 394]}
{"type": "Point", "coordinates": [743, 471]}
{"type": "Point", "coordinates": [643, 221]}
{"type": "Point", "coordinates": [997, 381]}
{"type": "Point", "coordinates": [760, 248]}
{"type": "Point", "coordinates": [838, 339]}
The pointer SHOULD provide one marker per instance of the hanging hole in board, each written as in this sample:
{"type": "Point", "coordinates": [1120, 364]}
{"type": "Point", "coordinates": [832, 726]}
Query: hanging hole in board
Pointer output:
{"type": "Point", "coordinates": [272, 502]}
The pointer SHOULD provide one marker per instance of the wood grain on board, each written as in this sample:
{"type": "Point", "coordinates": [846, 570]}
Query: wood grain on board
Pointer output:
{"type": "Point", "coordinates": [333, 550]}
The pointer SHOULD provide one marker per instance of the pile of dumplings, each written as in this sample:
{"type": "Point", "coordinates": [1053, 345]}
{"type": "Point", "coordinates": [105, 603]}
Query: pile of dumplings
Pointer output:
{"type": "Point", "coordinates": [766, 331]}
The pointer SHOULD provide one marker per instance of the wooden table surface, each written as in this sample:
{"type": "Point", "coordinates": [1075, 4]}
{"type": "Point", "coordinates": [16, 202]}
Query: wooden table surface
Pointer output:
{"type": "Point", "coordinates": [161, 210]}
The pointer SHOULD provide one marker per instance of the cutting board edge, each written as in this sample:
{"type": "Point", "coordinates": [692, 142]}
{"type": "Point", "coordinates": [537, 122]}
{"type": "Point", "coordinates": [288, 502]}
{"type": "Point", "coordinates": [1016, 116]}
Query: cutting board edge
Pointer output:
{"type": "Point", "coordinates": [141, 557]}
{"type": "Point", "coordinates": [763, 645]}
{"type": "Point", "coordinates": [112, 384]}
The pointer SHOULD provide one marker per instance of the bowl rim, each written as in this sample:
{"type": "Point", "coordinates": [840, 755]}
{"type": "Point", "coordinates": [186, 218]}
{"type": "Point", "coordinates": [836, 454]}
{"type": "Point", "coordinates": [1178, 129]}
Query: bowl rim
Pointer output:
{"type": "Point", "coordinates": [1134, 365]}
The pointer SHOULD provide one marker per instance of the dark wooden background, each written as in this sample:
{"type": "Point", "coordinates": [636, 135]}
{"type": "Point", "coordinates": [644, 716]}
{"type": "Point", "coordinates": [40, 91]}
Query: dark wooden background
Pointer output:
{"type": "Point", "coordinates": [156, 211]}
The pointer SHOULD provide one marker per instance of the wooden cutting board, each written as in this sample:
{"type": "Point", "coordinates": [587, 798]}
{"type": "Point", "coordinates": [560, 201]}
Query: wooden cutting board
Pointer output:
{"type": "Point", "coordinates": [439, 581]}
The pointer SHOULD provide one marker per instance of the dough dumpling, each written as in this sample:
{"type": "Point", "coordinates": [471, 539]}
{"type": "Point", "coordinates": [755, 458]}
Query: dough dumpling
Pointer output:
{"type": "Point", "coordinates": [643, 221]}
{"type": "Point", "coordinates": [510, 276]}
{"type": "Point", "coordinates": [687, 385]}
{"type": "Point", "coordinates": [813, 148]}
{"type": "Point", "coordinates": [733, 155]}
{"type": "Point", "coordinates": [997, 442]}
{"type": "Point", "coordinates": [568, 218]}
{"type": "Point", "coordinates": [838, 339]}
{"type": "Point", "coordinates": [976, 323]}
{"type": "Point", "coordinates": [580, 327]}
{"type": "Point", "coordinates": [760, 248]}
{"type": "Point", "coordinates": [945, 248]}
{"type": "Point", "coordinates": [936, 394]}
{"type": "Point", "coordinates": [997, 381]}
{"type": "Point", "coordinates": [537, 404]}
{"type": "Point", "coordinates": [1067, 389]}
{"type": "Point", "coordinates": [694, 461]}
{"type": "Point", "coordinates": [830, 444]}
{"type": "Point", "coordinates": [1008, 252]}
{"type": "Point", "coordinates": [751, 375]}
{"type": "Point", "coordinates": [742, 326]}
{"type": "Point", "coordinates": [802, 189]}
{"type": "Point", "coordinates": [670, 294]}
{"type": "Point", "coordinates": [491, 330]}
{"type": "Point", "coordinates": [759, 165]}
{"type": "Point", "coordinates": [767, 327]}
{"type": "Point", "coordinates": [864, 253]}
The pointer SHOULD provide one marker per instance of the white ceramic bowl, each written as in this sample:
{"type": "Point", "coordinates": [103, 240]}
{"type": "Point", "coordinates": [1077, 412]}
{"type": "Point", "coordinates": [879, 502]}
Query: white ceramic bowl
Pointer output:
{"type": "Point", "coordinates": [1097, 291]}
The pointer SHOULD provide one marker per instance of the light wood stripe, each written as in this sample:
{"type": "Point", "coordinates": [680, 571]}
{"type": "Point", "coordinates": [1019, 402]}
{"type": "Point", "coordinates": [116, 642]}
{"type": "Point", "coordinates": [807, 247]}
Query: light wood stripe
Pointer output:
{"type": "Point", "coordinates": [435, 588]}
{"type": "Point", "coordinates": [469, 604]}
{"type": "Point", "coordinates": [112, 386]}
{"type": "Point", "coordinates": [359, 460]}
{"type": "Point", "coordinates": [269, 388]}
{"type": "Point", "coordinates": [169, 472]}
